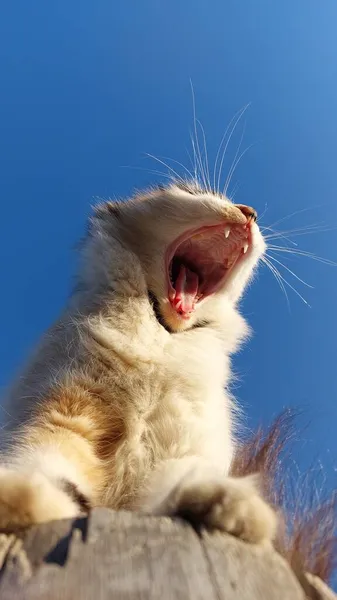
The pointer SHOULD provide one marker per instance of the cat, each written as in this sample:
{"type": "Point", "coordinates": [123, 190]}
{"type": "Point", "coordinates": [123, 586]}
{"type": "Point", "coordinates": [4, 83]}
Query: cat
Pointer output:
{"type": "Point", "coordinates": [125, 402]}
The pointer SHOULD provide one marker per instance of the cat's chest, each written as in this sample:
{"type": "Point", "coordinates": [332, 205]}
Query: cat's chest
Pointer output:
{"type": "Point", "coordinates": [181, 408]}
{"type": "Point", "coordinates": [197, 358]}
{"type": "Point", "coordinates": [179, 420]}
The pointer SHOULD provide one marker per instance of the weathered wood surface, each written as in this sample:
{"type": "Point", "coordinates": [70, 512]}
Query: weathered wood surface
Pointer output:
{"type": "Point", "coordinates": [125, 556]}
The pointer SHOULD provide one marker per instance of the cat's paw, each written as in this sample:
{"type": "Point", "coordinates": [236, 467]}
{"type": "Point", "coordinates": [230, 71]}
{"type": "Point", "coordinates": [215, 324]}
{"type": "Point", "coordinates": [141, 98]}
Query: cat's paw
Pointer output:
{"type": "Point", "coordinates": [233, 505]}
{"type": "Point", "coordinates": [29, 498]}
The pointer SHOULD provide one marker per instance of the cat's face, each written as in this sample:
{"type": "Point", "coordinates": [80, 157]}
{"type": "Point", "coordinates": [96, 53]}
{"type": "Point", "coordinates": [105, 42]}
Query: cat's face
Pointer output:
{"type": "Point", "coordinates": [194, 246]}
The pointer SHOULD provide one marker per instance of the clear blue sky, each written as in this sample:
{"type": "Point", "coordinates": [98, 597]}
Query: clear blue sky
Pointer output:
{"type": "Point", "coordinates": [88, 87]}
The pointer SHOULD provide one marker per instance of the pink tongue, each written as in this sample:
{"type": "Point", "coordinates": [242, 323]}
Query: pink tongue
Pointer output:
{"type": "Point", "coordinates": [186, 290]}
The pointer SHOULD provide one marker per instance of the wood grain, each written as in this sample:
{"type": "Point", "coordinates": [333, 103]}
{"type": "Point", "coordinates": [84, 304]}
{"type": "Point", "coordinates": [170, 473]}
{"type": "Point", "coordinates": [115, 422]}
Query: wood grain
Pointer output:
{"type": "Point", "coordinates": [126, 556]}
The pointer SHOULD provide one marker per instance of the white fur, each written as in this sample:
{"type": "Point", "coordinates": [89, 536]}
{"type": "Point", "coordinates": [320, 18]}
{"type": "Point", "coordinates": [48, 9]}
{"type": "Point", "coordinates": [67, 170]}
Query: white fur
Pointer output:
{"type": "Point", "coordinates": [170, 389]}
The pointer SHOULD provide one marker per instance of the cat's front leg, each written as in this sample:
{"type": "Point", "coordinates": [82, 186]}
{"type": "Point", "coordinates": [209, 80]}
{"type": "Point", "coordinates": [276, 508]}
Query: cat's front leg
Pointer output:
{"type": "Point", "coordinates": [192, 489]}
{"type": "Point", "coordinates": [28, 498]}
{"type": "Point", "coordinates": [47, 478]}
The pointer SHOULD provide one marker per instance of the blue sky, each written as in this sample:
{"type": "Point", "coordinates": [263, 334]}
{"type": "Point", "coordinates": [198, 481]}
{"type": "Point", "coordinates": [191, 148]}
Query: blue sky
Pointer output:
{"type": "Point", "coordinates": [87, 88]}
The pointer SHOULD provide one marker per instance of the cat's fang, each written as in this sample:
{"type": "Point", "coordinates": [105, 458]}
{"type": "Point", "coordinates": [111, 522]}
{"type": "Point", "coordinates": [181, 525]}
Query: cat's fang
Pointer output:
{"type": "Point", "coordinates": [227, 231]}
{"type": "Point", "coordinates": [245, 248]}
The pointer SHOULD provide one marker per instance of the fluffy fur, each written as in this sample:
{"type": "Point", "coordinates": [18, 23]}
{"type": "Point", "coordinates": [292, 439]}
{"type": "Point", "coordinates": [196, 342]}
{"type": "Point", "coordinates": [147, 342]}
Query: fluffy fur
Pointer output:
{"type": "Point", "coordinates": [307, 529]}
{"type": "Point", "coordinates": [124, 403]}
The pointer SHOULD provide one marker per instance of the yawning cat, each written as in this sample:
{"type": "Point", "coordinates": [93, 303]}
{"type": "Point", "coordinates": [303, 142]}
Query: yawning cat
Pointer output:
{"type": "Point", "coordinates": [125, 402]}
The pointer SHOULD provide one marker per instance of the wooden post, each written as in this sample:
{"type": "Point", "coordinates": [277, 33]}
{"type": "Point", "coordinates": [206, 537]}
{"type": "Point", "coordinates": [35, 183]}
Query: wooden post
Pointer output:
{"type": "Point", "coordinates": [125, 556]}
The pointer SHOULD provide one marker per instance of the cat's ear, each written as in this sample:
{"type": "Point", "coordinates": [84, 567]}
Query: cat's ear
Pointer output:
{"type": "Point", "coordinates": [105, 216]}
{"type": "Point", "coordinates": [108, 209]}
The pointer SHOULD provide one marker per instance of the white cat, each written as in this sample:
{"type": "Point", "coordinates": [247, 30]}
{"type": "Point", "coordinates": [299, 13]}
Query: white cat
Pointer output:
{"type": "Point", "coordinates": [124, 403]}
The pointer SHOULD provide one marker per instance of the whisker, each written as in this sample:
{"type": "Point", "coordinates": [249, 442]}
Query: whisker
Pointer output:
{"type": "Point", "coordinates": [151, 171]}
{"type": "Point", "coordinates": [276, 274]}
{"type": "Point", "coordinates": [290, 271]}
{"type": "Point", "coordinates": [205, 154]}
{"type": "Point", "coordinates": [236, 188]}
{"type": "Point", "coordinates": [234, 159]}
{"type": "Point", "coordinates": [262, 215]}
{"type": "Point", "coordinates": [165, 165]}
{"type": "Point", "coordinates": [297, 251]}
{"type": "Point", "coordinates": [303, 230]}
{"type": "Point", "coordinates": [194, 178]}
{"type": "Point", "coordinates": [202, 172]}
{"type": "Point", "coordinates": [297, 212]}
{"type": "Point", "coordinates": [284, 237]}
{"type": "Point", "coordinates": [194, 163]}
{"type": "Point", "coordinates": [234, 167]}
{"type": "Point", "coordinates": [296, 292]}
{"type": "Point", "coordinates": [294, 289]}
{"type": "Point", "coordinates": [240, 113]}
{"type": "Point", "coordinates": [226, 146]}
{"type": "Point", "coordinates": [197, 165]}
{"type": "Point", "coordinates": [275, 238]}
{"type": "Point", "coordinates": [178, 163]}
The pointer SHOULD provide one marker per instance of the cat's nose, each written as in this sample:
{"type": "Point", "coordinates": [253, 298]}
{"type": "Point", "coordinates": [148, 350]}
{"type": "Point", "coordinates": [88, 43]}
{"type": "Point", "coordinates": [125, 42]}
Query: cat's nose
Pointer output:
{"type": "Point", "coordinates": [248, 211]}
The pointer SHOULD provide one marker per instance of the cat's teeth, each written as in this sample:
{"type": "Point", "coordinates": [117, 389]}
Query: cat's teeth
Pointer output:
{"type": "Point", "coordinates": [227, 231]}
{"type": "Point", "coordinates": [245, 248]}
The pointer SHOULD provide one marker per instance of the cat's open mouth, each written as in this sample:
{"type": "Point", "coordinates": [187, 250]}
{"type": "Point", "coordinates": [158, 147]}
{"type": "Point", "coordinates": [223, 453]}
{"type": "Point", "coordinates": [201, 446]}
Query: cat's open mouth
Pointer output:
{"type": "Point", "coordinates": [199, 261]}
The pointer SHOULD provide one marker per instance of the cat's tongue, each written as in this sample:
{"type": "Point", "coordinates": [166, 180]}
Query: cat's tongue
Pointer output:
{"type": "Point", "coordinates": [186, 288]}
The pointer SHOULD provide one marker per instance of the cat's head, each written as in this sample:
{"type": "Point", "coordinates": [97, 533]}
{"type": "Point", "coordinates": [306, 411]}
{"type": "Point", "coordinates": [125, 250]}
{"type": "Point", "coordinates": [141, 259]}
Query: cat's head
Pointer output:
{"type": "Point", "coordinates": [194, 246]}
